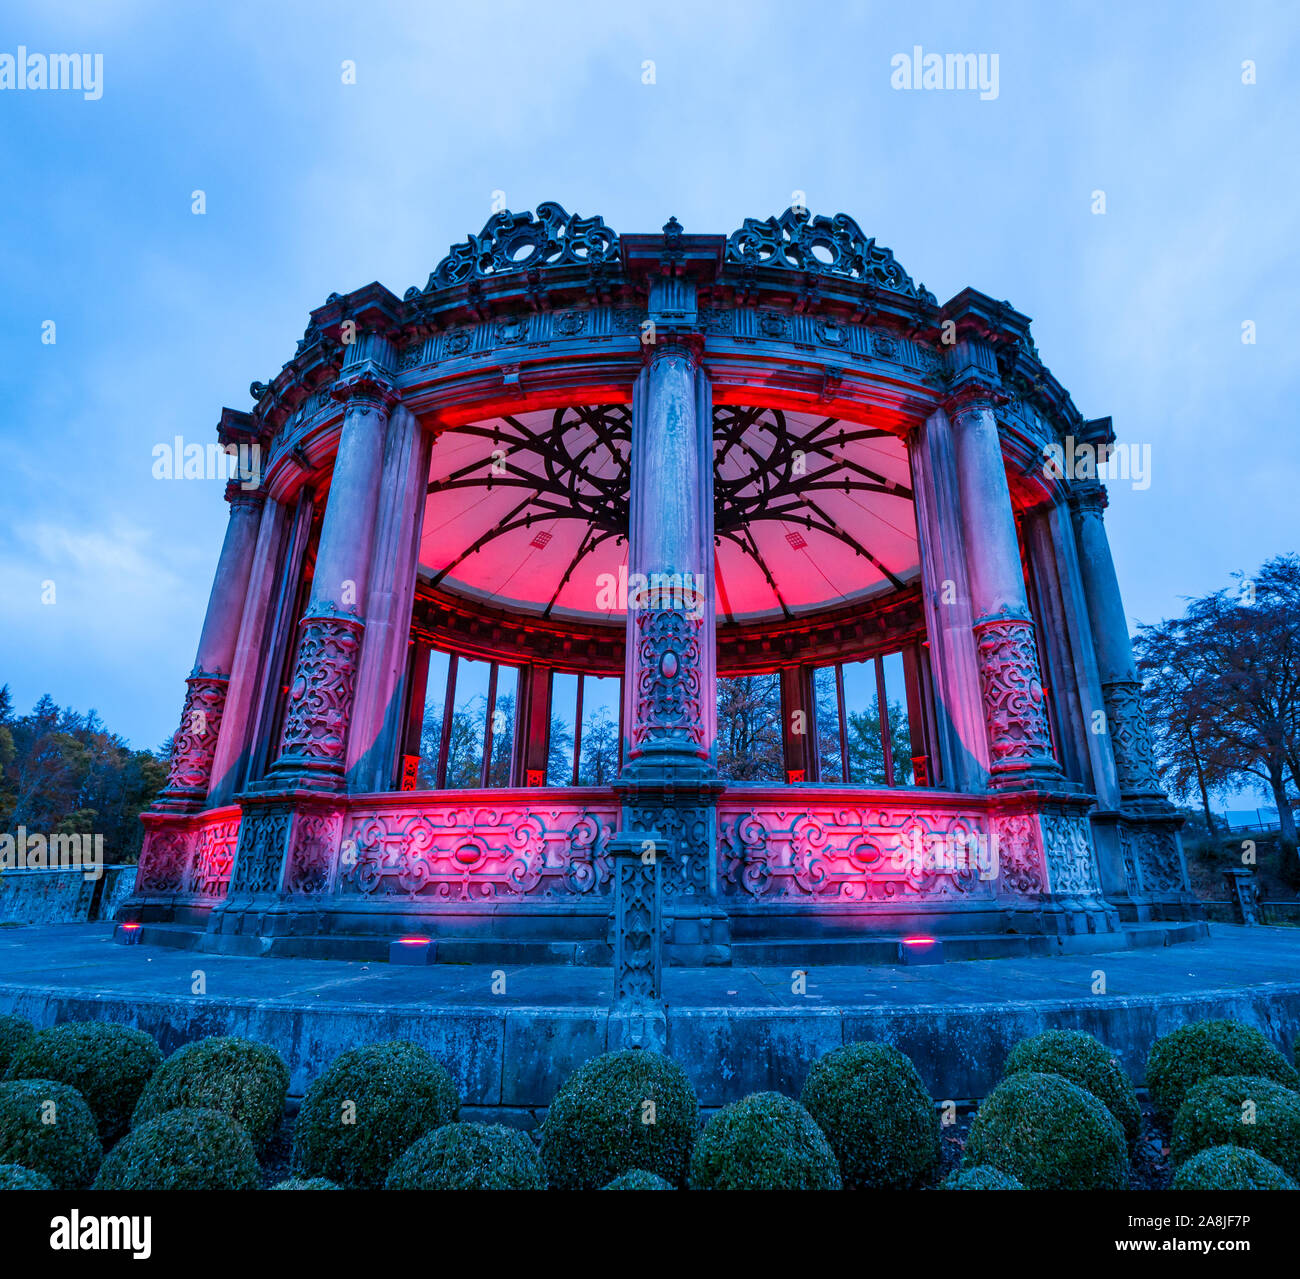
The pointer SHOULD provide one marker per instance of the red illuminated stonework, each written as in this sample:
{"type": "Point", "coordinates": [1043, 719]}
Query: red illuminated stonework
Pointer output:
{"type": "Point", "coordinates": [660, 459]}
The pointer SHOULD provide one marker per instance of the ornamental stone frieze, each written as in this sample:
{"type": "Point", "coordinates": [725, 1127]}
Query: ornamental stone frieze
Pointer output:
{"type": "Point", "coordinates": [320, 697]}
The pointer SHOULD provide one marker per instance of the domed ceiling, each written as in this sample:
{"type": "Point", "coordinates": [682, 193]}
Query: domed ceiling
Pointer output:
{"type": "Point", "coordinates": [529, 512]}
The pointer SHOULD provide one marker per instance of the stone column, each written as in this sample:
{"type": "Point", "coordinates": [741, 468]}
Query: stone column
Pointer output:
{"type": "Point", "coordinates": [963, 746]}
{"type": "Point", "coordinates": [1150, 846]}
{"type": "Point", "coordinates": [1127, 729]}
{"type": "Point", "coordinates": [195, 743]}
{"type": "Point", "coordinates": [671, 648]}
{"type": "Point", "coordinates": [669, 782]}
{"type": "Point", "coordinates": [251, 663]}
{"type": "Point", "coordinates": [1020, 747]}
{"type": "Point", "coordinates": [314, 742]}
{"type": "Point", "coordinates": [377, 718]}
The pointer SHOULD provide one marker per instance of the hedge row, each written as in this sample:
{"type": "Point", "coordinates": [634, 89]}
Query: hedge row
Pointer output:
{"type": "Point", "coordinates": [386, 1115]}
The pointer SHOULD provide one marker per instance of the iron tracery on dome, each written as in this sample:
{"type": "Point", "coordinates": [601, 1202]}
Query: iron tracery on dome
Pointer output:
{"type": "Point", "coordinates": [847, 470]}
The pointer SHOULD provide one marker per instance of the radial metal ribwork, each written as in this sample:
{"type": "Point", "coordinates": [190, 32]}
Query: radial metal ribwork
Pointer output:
{"type": "Point", "coordinates": [531, 511]}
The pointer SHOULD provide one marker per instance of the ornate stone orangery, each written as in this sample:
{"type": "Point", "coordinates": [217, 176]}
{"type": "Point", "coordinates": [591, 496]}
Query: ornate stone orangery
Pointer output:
{"type": "Point", "coordinates": [660, 472]}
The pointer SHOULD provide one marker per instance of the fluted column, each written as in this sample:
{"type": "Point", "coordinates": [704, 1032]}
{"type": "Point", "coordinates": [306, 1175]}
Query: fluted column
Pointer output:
{"type": "Point", "coordinates": [1020, 746]}
{"type": "Point", "coordinates": [313, 745]}
{"type": "Point", "coordinates": [195, 742]}
{"type": "Point", "coordinates": [377, 718]}
{"type": "Point", "coordinates": [962, 737]}
{"type": "Point", "coordinates": [1126, 721]}
{"type": "Point", "coordinates": [251, 661]}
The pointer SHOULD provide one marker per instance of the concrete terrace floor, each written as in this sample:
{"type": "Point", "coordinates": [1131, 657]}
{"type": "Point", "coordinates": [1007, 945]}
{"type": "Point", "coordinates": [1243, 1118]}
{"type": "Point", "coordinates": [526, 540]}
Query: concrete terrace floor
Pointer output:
{"type": "Point", "coordinates": [734, 1030]}
{"type": "Point", "coordinates": [85, 956]}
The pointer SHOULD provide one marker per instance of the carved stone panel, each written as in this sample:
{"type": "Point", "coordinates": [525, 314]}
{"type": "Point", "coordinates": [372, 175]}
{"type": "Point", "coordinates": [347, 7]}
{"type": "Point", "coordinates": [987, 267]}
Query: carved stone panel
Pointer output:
{"type": "Point", "coordinates": [479, 850]}
{"type": "Point", "coordinates": [786, 846]}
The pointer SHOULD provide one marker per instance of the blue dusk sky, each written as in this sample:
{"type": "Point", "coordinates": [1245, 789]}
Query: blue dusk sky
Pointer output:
{"type": "Point", "coordinates": [313, 185]}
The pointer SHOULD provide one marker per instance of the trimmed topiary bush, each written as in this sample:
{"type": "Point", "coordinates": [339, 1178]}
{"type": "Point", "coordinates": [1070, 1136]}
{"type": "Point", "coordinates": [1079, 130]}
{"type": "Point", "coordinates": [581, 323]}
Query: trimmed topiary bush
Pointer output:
{"type": "Point", "coordinates": [1049, 1134]}
{"type": "Point", "coordinates": [240, 1078]}
{"type": "Point", "coordinates": [1083, 1060]}
{"type": "Point", "coordinates": [13, 1031]}
{"type": "Point", "coordinates": [306, 1183]}
{"type": "Point", "coordinates": [764, 1142]}
{"type": "Point", "coordinates": [1180, 1060]}
{"type": "Point", "coordinates": [469, 1157]}
{"type": "Point", "coordinates": [1231, 1168]}
{"type": "Point", "coordinates": [15, 1177]}
{"type": "Point", "coordinates": [1240, 1110]}
{"type": "Point", "coordinates": [107, 1064]}
{"type": "Point", "coordinates": [182, 1150]}
{"type": "Point", "coordinates": [980, 1178]}
{"type": "Point", "coordinates": [880, 1121]}
{"type": "Point", "coordinates": [369, 1106]}
{"type": "Point", "coordinates": [625, 1110]}
{"type": "Point", "coordinates": [639, 1179]}
{"type": "Point", "coordinates": [46, 1127]}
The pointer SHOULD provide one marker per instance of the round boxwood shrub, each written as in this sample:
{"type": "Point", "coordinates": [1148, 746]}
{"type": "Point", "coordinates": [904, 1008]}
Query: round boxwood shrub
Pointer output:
{"type": "Point", "coordinates": [764, 1142]}
{"type": "Point", "coordinates": [469, 1157]}
{"type": "Point", "coordinates": [16, 1177]}
{"type": "Point", "coordinates": [369, 1106]}
{"type": "Point", "coordinates": [1083, 1060]}
{"type": "Point", "coordinates": [182, 1150]}
{"type": "Point", "coordinates": [1231, 1168]}
{"type": "Point", "coordinates": [880, 1121]}
{"type": "Point", "coordinates": [1240, 1110]}
{"type": "Point", "coordinates": [981, 1177]}
{"type": "Point", "coordinates": [46, 1127]}
{"type": "Point", "coordinates": [240, 1078]}
{"type": "Point", "coordinates": [13, 1031]}
{"type": "Point", "coordinates": [306, 1183]}
{"type": "Point", "coordinates": [107, 1064]}
{"type": "Point", "coordinates": [625, 1110]}
{"type": "Point", "coordinates": [1049, 1134]}
{"type": "Point", "coordinates": [639, 1179]}
{"type": "Point", "coordinates": [1180, 1060]}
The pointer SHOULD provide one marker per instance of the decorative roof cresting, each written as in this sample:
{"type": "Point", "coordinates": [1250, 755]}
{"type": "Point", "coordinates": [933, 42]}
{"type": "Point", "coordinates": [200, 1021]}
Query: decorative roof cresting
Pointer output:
{"type": "Point", "coordinates": [797, 241]}
{"type": "Point", "coordinates": [521, 242]}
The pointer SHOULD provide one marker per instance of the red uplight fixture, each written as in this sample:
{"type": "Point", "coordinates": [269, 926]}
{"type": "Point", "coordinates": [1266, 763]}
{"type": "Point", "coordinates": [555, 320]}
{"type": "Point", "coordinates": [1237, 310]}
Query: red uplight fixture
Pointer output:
{"type": "Point", "coordinates": [412, 950]}
{"type": "Point", "coordinates": [920, 950]}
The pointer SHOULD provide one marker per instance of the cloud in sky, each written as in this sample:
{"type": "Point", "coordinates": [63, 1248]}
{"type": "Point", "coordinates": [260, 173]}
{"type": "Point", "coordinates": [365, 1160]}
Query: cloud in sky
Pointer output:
{"type": "Point", "coordinates": [314, 186]}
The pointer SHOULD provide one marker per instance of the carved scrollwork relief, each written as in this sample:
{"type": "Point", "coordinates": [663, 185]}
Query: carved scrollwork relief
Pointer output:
{"type": "Point", "coordinates": [848, 853]}
{"type": "Point", "coordinates": [195, 742]}
{"type": "Point", "coordinates": [1130, 737]}
{"type": "Point", "coordinates": [478, 852]}
{"type": "Point", "coordinates": [320, 698]}
{"type": "Point", "coordinates": [668, 682]}
{"type": "Point", "coordinates": [1012, 692]}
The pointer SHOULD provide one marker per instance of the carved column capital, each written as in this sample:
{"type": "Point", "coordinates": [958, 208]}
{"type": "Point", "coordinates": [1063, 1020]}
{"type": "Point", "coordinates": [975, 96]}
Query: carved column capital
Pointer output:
{"type": "Point", "coordinates": [366, 388]}
{"type": "Point", "coordinates": [1088, 497]}
{"type": "Point", "coordinates": [973, 395]}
